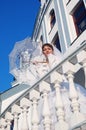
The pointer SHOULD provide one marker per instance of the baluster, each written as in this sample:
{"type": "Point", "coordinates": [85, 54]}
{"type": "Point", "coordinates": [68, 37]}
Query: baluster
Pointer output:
{"type": "Point", "coordinates": [82, 60]}
{"type": "Point", "coordinates": [34, 96]}
{"type": "Point", "coordinates": [25, 104]}
{"type": "Point", "coordinates": [15, 112]}
{"type": "Point", "coordinates": [45, 89]}
{"type": "Point", "coordinates": [2, 124]}
{"type": "Point", "coordinates": [8, 118]}
{"type": "Point", "coordinates": [76, 116]}
{"type": "Point", "coordinates": [56, 78]}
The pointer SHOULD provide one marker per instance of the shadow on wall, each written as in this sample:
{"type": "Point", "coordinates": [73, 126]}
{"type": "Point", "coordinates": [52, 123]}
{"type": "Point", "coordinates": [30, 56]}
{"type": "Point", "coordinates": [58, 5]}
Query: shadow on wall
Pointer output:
{"type": "Point", "coordinates": [80, 77]}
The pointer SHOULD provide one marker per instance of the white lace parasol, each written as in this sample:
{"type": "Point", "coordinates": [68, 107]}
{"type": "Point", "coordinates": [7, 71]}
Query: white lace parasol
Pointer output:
{"type": "Point", "coordinates": [22, 48]}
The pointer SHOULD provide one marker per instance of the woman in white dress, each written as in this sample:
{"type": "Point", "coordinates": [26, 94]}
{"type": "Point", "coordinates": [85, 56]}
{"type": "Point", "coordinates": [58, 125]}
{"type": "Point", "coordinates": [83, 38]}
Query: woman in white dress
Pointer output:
{"type": "Point", "coordinates": [29, 67]}
{"type": "Point", "coordinates": [49, 58]}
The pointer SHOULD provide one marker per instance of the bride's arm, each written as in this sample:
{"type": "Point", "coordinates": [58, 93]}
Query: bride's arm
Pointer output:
{"type": "Point", "coordinates": [39, 59]}
{"type": "Point", "coordinates": [37, 62]}
{"type": "Point", "coordinates": [53, 60]}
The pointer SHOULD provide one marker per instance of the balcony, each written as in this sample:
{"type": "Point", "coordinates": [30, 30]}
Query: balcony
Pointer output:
{"type": "Point", "coordinates": [41, 106]}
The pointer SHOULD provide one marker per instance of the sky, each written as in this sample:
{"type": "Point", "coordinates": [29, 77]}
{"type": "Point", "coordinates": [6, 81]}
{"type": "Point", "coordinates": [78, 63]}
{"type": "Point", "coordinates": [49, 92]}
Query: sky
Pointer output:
{"type": "Point", "coordinates": [17, 19]}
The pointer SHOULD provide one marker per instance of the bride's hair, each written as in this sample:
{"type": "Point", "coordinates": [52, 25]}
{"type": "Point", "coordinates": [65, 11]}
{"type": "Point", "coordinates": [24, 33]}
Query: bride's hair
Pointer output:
{"type": "Point", "coordinates": [47, 44]}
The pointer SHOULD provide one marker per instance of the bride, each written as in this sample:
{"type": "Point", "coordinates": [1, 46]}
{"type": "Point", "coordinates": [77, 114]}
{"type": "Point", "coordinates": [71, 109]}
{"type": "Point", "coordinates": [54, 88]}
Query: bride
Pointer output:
{"type": "Point", "coordinates": [47, 60]}
{"type": "Point", "coordinates": [34, 67]}
{"type": "Point", "coordinates": [31, 67]}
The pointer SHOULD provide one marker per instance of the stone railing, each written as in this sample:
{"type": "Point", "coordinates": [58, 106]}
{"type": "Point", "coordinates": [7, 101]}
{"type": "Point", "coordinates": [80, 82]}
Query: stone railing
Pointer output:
{"type": "Point", "coordinates": [43, 106]}
{"type": "Point", "coordinates": [81, 126]}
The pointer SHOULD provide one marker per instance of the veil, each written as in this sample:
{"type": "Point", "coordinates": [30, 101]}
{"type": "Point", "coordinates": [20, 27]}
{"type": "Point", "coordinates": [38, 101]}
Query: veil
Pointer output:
{"type": "Point", "coordinates": [58, 54]}
{"type": "Point", "coordinates": [38, 51]}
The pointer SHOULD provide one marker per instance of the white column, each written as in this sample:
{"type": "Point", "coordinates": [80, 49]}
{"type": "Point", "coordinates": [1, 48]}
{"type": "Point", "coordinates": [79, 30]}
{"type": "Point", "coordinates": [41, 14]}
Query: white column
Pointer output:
{"type": "Point", "coordinates": [15, 112]}
{"type": "Point", "coordinates": [25, 104]}
{"type": "Point", "coordinates": [8, 118]}
{"type": "Point", "coordinates": [34, 96]}
{"type": "Point", "coordinates": [2, 124]}
{"type": "Point", "coordinates": [45, 89]}
{"type": "Point", "coordinates": [56, 78]}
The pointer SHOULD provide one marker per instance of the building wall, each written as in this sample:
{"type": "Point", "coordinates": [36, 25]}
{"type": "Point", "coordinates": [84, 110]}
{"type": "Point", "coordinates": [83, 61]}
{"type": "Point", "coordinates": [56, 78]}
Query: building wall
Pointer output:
{"type": "Point", "coordinates": [64, 29]}
{"type": "Point", "coordinates": [64, 25]}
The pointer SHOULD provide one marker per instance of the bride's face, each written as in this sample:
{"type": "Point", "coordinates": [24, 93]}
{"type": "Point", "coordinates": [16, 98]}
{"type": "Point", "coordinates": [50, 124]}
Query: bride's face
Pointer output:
{"type": "Point", "coordinates": [47, 50]}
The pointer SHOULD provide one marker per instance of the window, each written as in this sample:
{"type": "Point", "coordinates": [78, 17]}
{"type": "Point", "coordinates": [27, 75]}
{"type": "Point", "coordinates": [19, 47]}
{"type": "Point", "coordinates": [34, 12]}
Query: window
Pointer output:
{"type": "Point", "coordinates": [46, 1]}
{"type": "Point", "coordinates": [56, 42]}
{"type": "Point", "coordinates": [41, 38]}
{"type": "Point", "coordinates": [79, 17]}
{"type": "Point", "coordinates": [52, 18]}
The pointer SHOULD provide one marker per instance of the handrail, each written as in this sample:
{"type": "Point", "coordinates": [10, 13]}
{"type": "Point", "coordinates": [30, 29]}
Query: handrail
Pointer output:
{"type": "Point", "coordinates": [78, 126]}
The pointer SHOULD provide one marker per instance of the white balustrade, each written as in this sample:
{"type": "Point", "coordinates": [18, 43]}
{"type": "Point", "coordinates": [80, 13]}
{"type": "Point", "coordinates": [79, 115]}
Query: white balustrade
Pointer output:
{"type": "Point", "coordinates": [15, 112]}
{"type": "Point", "coordinates": [25, 104]}
{"type": "Point", "coordinates": [76, 116]}
{"type": "Point", "coordinates": [67, 67]}
{"type": "Point", "coordinates": [81, 56]}
{"type": "Point", "coordinates": [22, 117]}
{"type": "Point", "coordinates": [34, 96]}
{"type": "Point", "coordinates": [8, 118]}
{"type": "Point", "coordinates": [56, 78]}
{"type": "Point", "coordinates": [2, 124]}
{"type": "Point", "coordinates": [45, 89]}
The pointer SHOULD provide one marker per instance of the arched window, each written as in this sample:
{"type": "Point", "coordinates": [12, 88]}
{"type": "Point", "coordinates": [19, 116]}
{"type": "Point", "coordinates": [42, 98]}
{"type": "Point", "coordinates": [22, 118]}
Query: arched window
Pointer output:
{"type": "Point", "coordinates": [52, 18]}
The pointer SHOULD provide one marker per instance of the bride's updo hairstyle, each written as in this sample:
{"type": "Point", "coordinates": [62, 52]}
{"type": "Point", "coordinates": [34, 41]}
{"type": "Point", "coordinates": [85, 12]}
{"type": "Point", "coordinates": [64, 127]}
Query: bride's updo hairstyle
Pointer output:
{"type": "Point", "coordinates": [55, 50]}
{"type": "Point", "coordinates": [47, 44]}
